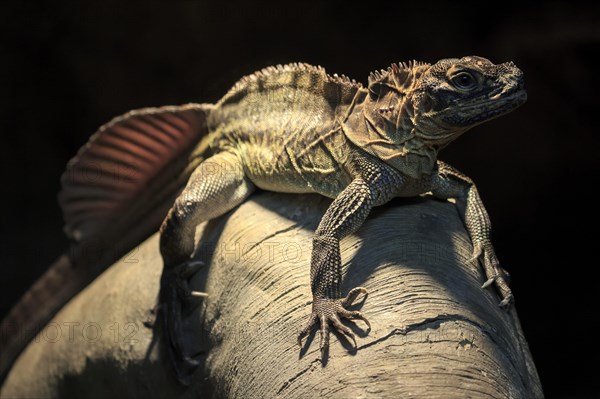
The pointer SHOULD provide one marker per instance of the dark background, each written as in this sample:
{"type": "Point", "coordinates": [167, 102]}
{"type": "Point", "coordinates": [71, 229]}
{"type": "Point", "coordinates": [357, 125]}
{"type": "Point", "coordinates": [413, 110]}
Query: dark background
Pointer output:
{"type": "Point", "coordinates": [67, 68]}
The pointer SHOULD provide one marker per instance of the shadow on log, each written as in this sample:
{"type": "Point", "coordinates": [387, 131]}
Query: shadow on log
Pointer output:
{"type": "Point", "coordinates": [435, 332]}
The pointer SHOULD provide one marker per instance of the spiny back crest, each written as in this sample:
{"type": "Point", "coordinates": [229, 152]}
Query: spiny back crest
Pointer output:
{"type": "Point", "coordinates": [293, 67]}
{"type": "Point", "coordinates": [400, 78]}
{"type": "Point", "coordinates": [297, 75]}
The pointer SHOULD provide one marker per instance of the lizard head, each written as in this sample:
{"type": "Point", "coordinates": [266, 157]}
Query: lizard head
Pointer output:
{"type": "Point", "coordinates": [413, 109]}
{"type": "Point", "coordinates": [454, 95]}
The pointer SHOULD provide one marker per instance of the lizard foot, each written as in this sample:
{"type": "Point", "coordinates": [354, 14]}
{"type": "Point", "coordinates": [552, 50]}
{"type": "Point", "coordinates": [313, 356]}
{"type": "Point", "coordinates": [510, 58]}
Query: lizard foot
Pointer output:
{"type": "Point", "coordinates": [174, 293]}
{"type": "Point", "coordinates": [494, 273]}
{"type": "Point", "coordinates": [326, 310]}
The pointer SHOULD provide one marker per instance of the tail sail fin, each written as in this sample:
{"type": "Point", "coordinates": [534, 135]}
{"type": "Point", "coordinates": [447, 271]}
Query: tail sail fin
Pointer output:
{"type": "Point", "coordinates": [128, 162]}
{"type": "Point", "coordinates": [115, 192]}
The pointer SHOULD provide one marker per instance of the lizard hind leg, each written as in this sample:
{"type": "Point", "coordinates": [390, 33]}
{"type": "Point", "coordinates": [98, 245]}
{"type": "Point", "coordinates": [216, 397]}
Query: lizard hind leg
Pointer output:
{"type": "Point", "coordinates": [215, 187]}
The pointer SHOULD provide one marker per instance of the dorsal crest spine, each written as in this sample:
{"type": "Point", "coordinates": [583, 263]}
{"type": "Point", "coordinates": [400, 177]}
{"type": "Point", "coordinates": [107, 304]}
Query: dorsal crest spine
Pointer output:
{"type": "Point", "coordinates": [397, 76]}
{"type": "Point", "coordinates": [267, 72]}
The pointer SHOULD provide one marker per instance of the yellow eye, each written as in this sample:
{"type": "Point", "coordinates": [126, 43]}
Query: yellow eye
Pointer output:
{"type": "Point", "coordinates": [464, 81]}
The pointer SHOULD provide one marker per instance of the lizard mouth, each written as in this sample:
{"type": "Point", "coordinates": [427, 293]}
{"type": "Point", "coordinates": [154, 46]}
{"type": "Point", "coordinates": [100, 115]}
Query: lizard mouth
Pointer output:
{"type": "Point", "coordinates": [510, 95]}
{"type": "Point", "coordinates": [515, 98]}
{"type": "Point", "coordinates": [515, 91]}
{"type": "Point", "coordinates": [500, 101]}
{"type": "Point", "coordinates": [494, 105]}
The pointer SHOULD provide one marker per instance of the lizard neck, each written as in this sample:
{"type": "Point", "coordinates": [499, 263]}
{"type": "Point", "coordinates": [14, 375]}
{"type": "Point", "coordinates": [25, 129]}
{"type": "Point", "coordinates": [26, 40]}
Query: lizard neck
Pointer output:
{"type": "Point", "coordinates": [385, 127]}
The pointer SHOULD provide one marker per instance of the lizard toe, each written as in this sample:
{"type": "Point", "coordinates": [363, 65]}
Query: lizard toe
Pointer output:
{"type": "Point", "coordinates": [307, 327]}
{"type": "Point", "coordinates": [331, 311]}
{"type": "Point", "coordinates": [181, 276]}
{"type": "Point", "coordinates": [324, 341]}
{"type": "Point", "coordinates": [352, 295]}
{"type": "Point", "coordinates": [337, 324]}
{"type": "Point", "coordinates": [355, 315]}
{"type": "Point", "coordinates": [187, 269]}
{"type": "Point", "coordinates": [507, 302]}
{"type": "Point", "coordinates": [496, 275]}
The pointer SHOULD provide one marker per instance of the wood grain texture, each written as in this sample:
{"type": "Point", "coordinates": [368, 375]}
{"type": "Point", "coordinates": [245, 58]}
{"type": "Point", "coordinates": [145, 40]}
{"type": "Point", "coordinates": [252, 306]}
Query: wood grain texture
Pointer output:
{"type": "Point", "coordinates": [435, 332]}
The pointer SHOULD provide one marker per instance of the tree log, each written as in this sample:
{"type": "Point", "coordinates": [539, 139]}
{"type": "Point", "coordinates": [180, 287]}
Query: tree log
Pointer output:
{"type": "Point", "coordinates": [435, 331]}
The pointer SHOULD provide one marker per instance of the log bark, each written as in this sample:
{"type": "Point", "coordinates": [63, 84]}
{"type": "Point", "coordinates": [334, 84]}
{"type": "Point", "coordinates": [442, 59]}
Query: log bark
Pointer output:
{"type": "Point", "coordinates": [435, 332]}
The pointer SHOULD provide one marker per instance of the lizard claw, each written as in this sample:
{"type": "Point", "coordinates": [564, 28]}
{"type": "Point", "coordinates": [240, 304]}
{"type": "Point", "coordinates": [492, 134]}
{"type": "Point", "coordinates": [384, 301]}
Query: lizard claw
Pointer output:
{"type": "Point", "coordinates": [494, 273]}
{"type": "Point", "coordinates": [174, 293]}
{"type": "Point", "coordinates": [327, 311]}
{"type": "Point", "coordinates": [488, 282]}
{"type": "Point", "coordinates": [183, 273]}
{"type": "Point", "coordinates": [506, 302]}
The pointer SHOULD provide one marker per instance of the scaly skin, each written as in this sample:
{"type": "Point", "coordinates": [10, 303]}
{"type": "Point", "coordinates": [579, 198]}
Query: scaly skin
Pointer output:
{"type": "Point", "coordinates": [288, 129]}
{"type": "Point", "coordinates": [295, 129]}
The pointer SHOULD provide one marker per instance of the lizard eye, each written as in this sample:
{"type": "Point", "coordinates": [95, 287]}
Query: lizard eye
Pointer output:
{"type": "Point", "coordinates": [464, 81]}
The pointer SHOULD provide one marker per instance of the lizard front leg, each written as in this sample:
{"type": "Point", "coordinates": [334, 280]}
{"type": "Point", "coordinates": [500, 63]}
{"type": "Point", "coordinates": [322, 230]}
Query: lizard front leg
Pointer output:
{"type": "Point", "coordinates": [215, 187]}
{"type": "Point", "coordinates": [450, 183]}
{"type": "Point", "coordinates": [343, 217]}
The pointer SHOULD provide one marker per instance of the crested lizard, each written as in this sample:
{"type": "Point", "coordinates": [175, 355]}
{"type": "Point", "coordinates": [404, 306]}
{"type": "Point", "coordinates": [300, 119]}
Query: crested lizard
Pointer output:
{"type": "Point", "coordinates": [294, 129]}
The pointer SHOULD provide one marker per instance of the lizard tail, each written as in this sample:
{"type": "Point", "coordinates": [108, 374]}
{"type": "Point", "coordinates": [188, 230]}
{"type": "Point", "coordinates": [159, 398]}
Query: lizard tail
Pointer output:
{"type": "Point", "coordinates": [115, 193]}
